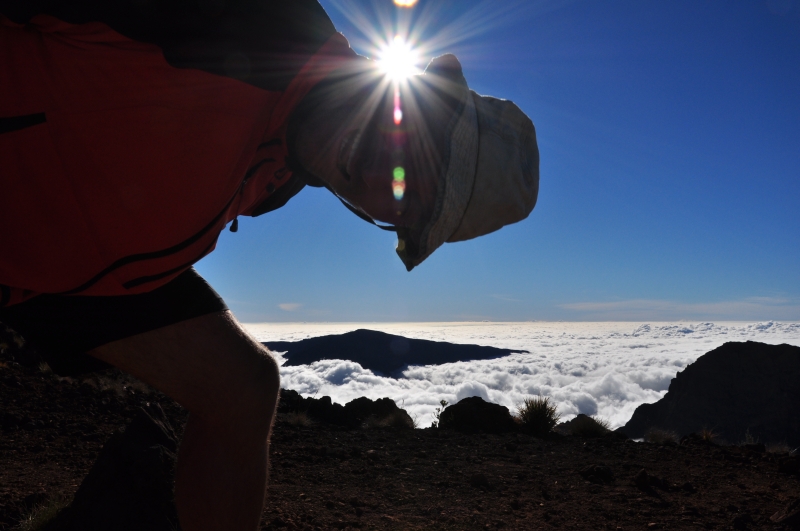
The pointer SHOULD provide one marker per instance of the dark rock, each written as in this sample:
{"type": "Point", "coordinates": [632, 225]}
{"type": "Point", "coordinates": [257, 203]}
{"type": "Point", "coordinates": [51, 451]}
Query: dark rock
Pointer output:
{"type": "Point", "coordinates": [789, 465]}
{"type": "Point", "coordinates": [478, 480]}
{"type": "Point", "coordinates": [789, 516]}
{"type": "Point", "coordinates": [356, 413]}
{"type": "Point", "coordinates": [382, 413]}
{"type": "Point", "coordinates": [645, 482]}
{"type": "Point", "coordinates": [738, 389]}
{"type": "Point", "coordinates": [642, 480]}
{"type": "Point", "coordinates": [130, 486]}
{"type": "Point", "coordinates": [741, 521]}
{"type": "Point", "coordinates": [380, 352]}
{"type": "Point", "coordinates": [597, 474]}
{"type": "Point", "coordinates": [584, 426]}
{"type": "Point", "coordinates": [474, 415]}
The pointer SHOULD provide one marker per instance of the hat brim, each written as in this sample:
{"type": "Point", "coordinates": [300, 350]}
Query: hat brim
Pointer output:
{"type": "Point", "coordinates": [455, 185]}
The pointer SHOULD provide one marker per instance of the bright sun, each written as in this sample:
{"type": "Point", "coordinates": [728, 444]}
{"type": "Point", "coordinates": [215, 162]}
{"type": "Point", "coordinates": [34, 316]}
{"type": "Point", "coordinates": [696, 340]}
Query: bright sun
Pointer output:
{"type": "Point", "coordinates": [398, 59]}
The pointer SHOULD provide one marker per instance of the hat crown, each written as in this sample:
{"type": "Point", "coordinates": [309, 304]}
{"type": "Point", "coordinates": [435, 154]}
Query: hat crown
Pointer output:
{"type": "Point", "coordinates": [491, 178]}
{"type": "Point", "coordinates": [507, 177]}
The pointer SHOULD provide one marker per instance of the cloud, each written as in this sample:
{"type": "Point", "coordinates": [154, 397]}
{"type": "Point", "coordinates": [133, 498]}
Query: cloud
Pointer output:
{"type": "Point", "coordinates": [663, 310]}
{"type": "Point", "coordinates": [289, 306]}
{"type": "Point", "coordinates": [607, 368]}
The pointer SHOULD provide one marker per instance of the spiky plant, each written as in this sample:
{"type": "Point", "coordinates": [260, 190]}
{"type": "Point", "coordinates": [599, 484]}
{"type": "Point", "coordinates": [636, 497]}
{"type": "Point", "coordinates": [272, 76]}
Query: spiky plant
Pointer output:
{"type": "Point", "coordinates": [708, 435]}
{"type": "Point", "coordinates": [537, 415]}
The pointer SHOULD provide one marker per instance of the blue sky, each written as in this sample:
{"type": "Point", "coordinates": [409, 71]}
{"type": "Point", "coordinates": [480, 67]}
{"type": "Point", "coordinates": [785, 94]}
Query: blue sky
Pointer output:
{"type": "Point", "coordinates": [669, 134]}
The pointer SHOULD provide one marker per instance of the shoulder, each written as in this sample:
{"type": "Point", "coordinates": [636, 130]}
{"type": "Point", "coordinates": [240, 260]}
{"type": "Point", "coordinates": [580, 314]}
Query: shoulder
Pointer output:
{"type": "Point", "coordinates": [261, 42]}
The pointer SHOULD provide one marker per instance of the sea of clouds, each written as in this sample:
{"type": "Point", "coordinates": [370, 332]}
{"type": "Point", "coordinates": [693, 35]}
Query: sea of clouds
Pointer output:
{"type": "Point", "coordinates": [603, 369]}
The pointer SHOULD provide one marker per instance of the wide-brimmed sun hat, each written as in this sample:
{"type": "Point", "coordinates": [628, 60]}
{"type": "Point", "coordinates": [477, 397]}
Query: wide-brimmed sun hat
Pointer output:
{"type": "Point", "coordinates": [491, 174]}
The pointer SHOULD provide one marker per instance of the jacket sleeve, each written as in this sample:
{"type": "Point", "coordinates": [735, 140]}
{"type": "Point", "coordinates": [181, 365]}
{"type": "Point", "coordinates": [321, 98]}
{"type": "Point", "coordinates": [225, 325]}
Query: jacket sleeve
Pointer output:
{"type": "Point", "coordinates": [261, 42]}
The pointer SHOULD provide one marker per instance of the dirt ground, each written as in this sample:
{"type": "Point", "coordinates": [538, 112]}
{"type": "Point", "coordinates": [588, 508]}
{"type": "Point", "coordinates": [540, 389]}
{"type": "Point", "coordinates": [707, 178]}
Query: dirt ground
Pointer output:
{"type": "Point", "coordinates": [51, 430]}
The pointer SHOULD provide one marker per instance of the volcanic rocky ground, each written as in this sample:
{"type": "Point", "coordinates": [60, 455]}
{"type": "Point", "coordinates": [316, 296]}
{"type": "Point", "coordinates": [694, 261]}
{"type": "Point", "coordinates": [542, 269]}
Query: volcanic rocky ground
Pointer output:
{"type": "Point", "coordinates": [328, 477]}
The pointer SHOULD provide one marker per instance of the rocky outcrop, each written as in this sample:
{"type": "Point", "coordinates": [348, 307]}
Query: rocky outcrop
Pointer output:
{"type": "Point", "coordinates": [584, 426]}
{"type": "Point", "coordinates": [475, 415]}
{"type": "Point", "coordinates": [738, 390]}
{"type": "Point", "coordinates": [382, 412]}
{"type": "Point", "coordinates": [380, 352]}
{"type": "Point", "coordinates": [130, 486]}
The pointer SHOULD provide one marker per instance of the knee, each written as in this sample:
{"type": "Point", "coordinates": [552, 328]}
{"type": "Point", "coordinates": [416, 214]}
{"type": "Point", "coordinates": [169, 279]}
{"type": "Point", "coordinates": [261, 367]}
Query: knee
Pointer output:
{"type": "Point", "coordinates": [249, 395]}
{"type": "Point", "coordinates": [258, 395]}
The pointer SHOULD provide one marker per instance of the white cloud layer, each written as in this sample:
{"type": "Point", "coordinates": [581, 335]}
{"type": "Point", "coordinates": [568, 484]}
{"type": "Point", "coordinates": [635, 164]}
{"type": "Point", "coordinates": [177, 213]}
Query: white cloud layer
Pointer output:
{"type": "Point", "coordinates": [605, 369]}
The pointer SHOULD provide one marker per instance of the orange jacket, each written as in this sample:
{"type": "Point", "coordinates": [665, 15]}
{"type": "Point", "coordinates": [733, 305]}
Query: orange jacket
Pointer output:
{"type": "Point", "coordinates": [118, 170]}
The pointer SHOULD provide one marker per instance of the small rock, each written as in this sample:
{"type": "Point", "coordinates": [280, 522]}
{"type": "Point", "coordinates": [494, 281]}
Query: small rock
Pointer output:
{"type": "Point", "coordinates": [597, 474]}
{"type": "Point", "coordinates": [478, 480]}
{"type": "Point", "coordinates": [642, 480]}
{"type": "Point", "coordinates": [741, 521]}
{"type": "Point", "coordinates": [789, 516]}
{"type": "Point", "coordinates": [789, 465]}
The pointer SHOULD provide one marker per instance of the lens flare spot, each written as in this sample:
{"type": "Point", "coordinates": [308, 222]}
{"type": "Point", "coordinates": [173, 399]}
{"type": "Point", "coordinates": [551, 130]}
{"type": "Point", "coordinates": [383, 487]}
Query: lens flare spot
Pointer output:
{"type": "Point", "coordinates": [399, 174]}
{"type": "Point", "coordinates": [398, 59]}
{"type": "Point", "coordinates": [405, 3]}
{"type": "Point", "coordinates": [398, 116]}
{"type": "Point", "coordinates": [398, 189]}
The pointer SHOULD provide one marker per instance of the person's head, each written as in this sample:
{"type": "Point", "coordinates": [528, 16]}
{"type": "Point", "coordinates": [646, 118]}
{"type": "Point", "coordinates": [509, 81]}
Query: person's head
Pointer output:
{"type": "Point", "coordinates": [419, 171]}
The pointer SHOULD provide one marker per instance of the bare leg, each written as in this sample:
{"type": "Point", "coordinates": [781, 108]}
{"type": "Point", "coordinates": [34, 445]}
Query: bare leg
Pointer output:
{"type": "Point", "coordinates": [229, 383]}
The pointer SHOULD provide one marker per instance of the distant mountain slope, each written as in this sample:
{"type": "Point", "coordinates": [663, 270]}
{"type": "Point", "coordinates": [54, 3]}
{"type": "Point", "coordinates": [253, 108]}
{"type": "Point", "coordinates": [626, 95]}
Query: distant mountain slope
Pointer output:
{"type": "Point", "coordinates": [736, 389]}
{"type": "Point", "coordinates": [381, 352]}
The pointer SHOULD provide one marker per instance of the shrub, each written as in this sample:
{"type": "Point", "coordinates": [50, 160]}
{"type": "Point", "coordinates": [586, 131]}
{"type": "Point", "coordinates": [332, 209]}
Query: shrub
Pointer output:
{"type": "Point", "coordinates": [780, 448]}
{"type": "Point", "coordinates": [708, 435]}
{"type": "Point", "coordinates": [299, 419]}
{"type": "Point", "coordinates": [396, 419]}
{"type": "Point", "coordinates": [749, 438]}
{"type": "Point", "coordinates": [438, 413]}
{"type": "Point", "coordinates": [537, 415]}
{"type": "Point", "coordinates": [585, 426]}
{"type": "Point", "coordinates": [661, 437]}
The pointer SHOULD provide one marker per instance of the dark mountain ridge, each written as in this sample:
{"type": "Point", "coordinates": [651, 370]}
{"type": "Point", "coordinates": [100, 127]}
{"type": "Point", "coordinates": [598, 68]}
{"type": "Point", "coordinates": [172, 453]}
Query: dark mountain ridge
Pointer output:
{"type": "Point", "coordinates": [739, 390]}
{"type": "Point", "coordinates": [380, 352]}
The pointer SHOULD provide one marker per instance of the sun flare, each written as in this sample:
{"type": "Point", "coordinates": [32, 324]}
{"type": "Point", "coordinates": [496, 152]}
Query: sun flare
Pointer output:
{"type": "Point", "coordinates": [398, 59]}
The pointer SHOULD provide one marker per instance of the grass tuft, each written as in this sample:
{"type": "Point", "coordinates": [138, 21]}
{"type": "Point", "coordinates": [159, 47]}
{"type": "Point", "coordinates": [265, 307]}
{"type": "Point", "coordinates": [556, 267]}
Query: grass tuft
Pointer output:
{"type": "Point", "coordinates": [396, 419]}
{"type": "Point", "coordinates": [780, 448]}
{"type": "Point", "coordinates": [537, 415]}
{"type": "Point", "coordinates": [661, 437]}
{"type": "Point", "coordinates": [299, 419]}
{"type": "Point", "coordinates": [43, 513]}
{"type": "Point", "coordinates": [749, 438]}
{"type": "Point", "coordinates": [709, 435]}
